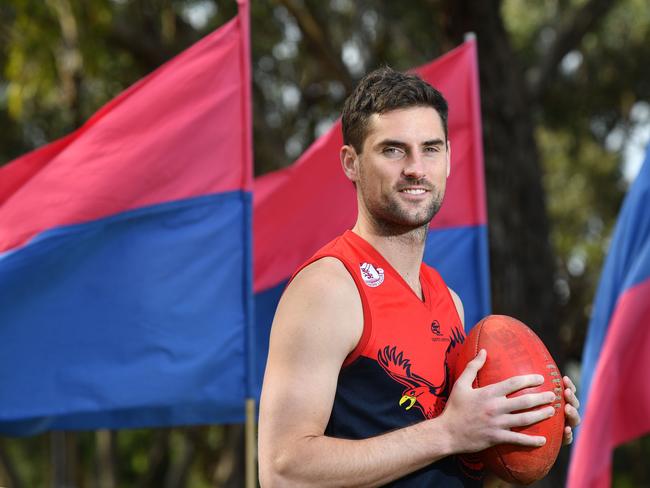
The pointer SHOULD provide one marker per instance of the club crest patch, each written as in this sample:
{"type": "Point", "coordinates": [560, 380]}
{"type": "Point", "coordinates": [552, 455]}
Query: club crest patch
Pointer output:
{"type": "Point", "coordinates": [373, 277]}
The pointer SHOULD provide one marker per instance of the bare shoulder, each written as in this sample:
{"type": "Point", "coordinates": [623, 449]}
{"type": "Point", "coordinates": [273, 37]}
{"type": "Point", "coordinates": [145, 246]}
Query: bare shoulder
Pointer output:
{"type": "Point", "coordinates": [318, 322]}
{"type": "Point", "coordinates": [459, 305]}
{"type": "Point", "coordinates": [327, 275]}
{"type": "Point", "coordinates": [323, 301]}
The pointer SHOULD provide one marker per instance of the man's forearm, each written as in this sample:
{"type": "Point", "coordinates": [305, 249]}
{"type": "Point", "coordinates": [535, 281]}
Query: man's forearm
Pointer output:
{"type": "Point", "coordinates": [327, 461]}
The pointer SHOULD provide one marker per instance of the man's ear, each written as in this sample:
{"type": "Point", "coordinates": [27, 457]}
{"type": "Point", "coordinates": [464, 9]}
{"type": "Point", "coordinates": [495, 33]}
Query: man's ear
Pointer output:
{"type": "Point", "coordinates": [448, 157]}
{"type": "Point", "coordinates": [350, 162]}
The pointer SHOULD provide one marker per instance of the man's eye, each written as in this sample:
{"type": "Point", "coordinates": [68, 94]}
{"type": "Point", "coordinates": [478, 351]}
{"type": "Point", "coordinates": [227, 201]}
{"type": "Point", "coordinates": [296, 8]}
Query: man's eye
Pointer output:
{"type": "Point", "coordinates": [392, 152]}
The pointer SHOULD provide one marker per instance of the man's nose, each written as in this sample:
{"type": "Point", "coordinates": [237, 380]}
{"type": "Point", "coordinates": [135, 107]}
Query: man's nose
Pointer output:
{"type": "Point", "coordinates": [414, 167]}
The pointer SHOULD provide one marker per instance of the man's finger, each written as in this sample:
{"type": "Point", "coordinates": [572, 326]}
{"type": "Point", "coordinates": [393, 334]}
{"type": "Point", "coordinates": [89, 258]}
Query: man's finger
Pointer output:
{"type": "Point", "coordinates": [511, 437]}
{"type": "Point", "coordinates": [571, 397]}
{"type": "Point", "coordinates": [568, 436]}
{"type": "Point", "coordinates": [528, 400]}
{"type": "Point", "coordinates": [569, 384]}
{"type": "Point", "coordinates": [528, 418]}
{"type": "Point", "coordinates": [572, 415]}
{"type": "Point", "coordinates": [471, 370]}
{"type": "Point", "coordinates": [516, 383]}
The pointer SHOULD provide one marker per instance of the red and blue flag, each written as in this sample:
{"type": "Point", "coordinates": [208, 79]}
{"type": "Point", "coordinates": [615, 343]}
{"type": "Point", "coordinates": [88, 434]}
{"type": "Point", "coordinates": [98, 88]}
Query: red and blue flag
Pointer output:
{"type": "Point", "coordinates": [615, 388]}
{"type": "Point", "coordinates": [125, 248]}
{"type": "Point", "coordinates": [299, 209]}
{"type": "Point", "coordinates": [126, 255]}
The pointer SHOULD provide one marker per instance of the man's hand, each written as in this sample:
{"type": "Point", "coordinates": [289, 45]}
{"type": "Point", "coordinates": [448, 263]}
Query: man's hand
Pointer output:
{"type": "Point", "coordinates": [570, 410]}
{"type": "Point", "coordinates": [478, 418]}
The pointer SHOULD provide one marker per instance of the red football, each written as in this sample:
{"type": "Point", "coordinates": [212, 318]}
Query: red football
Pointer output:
{"type": "Point", "coordinates": [513, 349]}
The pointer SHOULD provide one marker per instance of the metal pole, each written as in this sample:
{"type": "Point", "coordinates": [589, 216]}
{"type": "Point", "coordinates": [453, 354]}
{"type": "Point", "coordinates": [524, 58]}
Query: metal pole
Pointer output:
{"type": "Point", "coordinates": [251, 445]}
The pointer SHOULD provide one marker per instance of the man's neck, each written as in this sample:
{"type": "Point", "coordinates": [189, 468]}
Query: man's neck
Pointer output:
{"type": "Point", "coordinates": [403, 250]}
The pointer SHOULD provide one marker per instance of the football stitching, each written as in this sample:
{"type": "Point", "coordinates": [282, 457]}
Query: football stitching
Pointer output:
{"type": "Point", "coordinates": [478, 339]}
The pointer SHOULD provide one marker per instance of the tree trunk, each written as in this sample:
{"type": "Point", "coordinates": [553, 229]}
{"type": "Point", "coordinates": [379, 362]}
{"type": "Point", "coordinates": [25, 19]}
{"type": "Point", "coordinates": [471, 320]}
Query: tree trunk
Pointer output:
{"type": "Point", "coordinates": [158, 460]}
{"type": "Point", "coordinates": [105, 458]}
{"type": "Point", "coordinates": [178, 471]}
{"type": "Point", "coordinates": [521, 257]}
{"type": "Point", "coordinates": [64, 459]}
{"type": "Point", "coordinates": [230, 469]}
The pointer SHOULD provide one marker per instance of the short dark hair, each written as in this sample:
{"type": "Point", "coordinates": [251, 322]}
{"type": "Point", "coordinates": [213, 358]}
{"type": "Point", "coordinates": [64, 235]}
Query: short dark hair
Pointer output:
{"type": "Point", "coordinates": [384, 90]}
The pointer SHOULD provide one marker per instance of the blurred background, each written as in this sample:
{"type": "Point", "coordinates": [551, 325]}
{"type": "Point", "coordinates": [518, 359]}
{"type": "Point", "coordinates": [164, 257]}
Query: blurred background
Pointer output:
{"type": "Point", "coordinates": [565, 88]}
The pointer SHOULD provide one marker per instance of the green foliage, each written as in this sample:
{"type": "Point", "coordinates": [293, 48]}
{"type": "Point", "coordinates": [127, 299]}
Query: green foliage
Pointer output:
{"type": "Point", "coordinates": [583, 198]}
{"type": "Point", "coordinates": [30, 457]}
{"type": "Point", "coordinates": [193, 456]}
{"type": "Point", "coordinates": [627, 472]}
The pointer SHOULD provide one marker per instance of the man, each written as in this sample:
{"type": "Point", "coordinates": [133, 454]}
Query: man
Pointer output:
{"type": "Point", "coordinates": [357, 387]}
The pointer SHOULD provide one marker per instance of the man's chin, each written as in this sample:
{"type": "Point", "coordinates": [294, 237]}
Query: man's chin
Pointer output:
{"type": "Point", "coordinates": [416, 220]}
{"type": "Point", "coordinates": [403, 224]}
{"type": "Point", "coordinates": [398, 218]}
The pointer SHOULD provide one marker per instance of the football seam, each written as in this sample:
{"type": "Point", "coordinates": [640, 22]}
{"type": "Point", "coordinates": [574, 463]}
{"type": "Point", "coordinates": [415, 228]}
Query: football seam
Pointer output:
{"type": "Point", "coordinates": [476, 349]}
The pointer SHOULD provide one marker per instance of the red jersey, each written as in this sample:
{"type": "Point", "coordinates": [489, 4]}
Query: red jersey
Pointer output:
{"type": "Point", "coordinates": [398, 374]}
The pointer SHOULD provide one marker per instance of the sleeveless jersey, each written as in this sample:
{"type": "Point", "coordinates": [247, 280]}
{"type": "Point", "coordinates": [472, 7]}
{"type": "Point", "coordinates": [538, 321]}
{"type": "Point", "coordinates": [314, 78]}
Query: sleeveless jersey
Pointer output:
{"type": "Point", "coordinates": [398, 374]}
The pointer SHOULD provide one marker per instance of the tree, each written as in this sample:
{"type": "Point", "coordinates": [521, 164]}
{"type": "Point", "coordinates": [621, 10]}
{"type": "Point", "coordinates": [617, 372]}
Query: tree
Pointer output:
{"type": "Point", "coordinates": [560, 83]}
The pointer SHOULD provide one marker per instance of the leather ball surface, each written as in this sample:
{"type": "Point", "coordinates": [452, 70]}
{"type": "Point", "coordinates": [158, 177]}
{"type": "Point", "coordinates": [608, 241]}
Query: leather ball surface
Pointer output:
{"type": "Point", "coordinates": [514, 349]}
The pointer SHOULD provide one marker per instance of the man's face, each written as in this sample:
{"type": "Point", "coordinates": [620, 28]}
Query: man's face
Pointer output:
{"type": "Point", "coordinates": [402, 171]}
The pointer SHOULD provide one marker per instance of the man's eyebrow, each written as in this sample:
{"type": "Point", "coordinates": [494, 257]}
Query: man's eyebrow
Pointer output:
{"type": "Point", "coordinates": [391, 142]}
{"type": "Point", "coordinates": [434, 142]}
{"type": "Point", "coordinates": [398, 143]}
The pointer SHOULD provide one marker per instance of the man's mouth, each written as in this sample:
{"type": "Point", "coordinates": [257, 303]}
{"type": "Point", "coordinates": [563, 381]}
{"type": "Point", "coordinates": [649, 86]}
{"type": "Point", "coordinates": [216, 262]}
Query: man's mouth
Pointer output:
{"type": "Point", "coordinates": [413, 191]}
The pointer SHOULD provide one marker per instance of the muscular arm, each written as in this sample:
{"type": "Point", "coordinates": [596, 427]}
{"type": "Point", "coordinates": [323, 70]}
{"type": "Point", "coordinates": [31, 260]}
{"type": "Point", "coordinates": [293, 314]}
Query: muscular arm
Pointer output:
{"type": "Point", "coordinates": [318, 322]}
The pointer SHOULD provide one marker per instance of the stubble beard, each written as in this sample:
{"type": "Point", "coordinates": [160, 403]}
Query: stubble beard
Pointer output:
{"type": "Point", "coordinates": [394, 219]}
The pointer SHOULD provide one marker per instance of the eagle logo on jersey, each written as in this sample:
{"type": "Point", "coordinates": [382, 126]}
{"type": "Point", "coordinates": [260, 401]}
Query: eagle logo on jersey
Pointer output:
{"type": "Point", "coordinates": [430, 399]}
{"type": "Point", "coordinates": [373, 277]}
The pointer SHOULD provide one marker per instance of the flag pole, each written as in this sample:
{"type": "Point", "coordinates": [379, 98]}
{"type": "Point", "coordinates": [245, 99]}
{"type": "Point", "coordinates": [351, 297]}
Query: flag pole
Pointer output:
{"type": "Point", "coordinates": [251, 445]}
{"type": "Point", "coordinates": [243, 14]}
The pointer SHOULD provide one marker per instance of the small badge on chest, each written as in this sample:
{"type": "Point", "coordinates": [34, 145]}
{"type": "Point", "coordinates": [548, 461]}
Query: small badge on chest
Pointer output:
{"type": "Point", "coordinates": [373, 277]}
